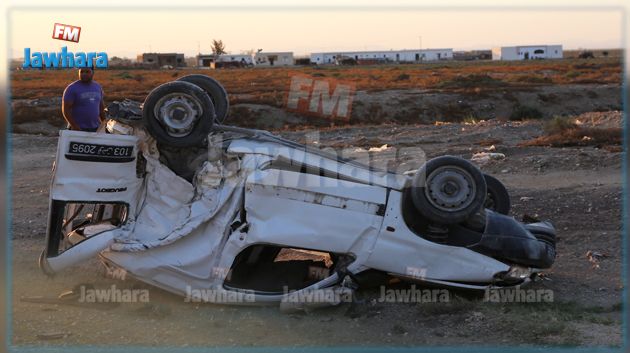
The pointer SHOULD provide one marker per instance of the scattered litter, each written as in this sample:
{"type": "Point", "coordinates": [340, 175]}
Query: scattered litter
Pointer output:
{"type": "Point", "coordinates": [526, 198]}
{"type": "Point", "coordinates": [485, 157]}
{"type": "Point", "coordinates": [372, 149]}
{"type": "Point", "coordinates": [542, 276]}
{"type": "Point", "coordinates": [378, 149]}
{"type": "Point", "coordinates": [490, 148]}
{"type": "Point", "coordinates": [594, 257]}
{"type": "Point", "coordinates": [69, 298]}
{"type": "Point", "coordinates": [53, 335]}
{"type": "Point", "coordinates": [68, 295]}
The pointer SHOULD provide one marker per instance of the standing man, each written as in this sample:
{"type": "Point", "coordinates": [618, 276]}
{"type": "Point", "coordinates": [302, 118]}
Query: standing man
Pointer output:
{"type": "Point", "coordinates": [83, 106]}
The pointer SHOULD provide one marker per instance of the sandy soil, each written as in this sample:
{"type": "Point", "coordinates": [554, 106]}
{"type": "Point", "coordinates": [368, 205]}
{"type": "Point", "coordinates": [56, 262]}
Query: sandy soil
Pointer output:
{"type": "Point", "coordinates": [579, 189]}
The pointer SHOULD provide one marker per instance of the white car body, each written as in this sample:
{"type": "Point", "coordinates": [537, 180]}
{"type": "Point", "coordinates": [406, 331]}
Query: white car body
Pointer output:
{"type": "Point", "coordinates": [182, 236]}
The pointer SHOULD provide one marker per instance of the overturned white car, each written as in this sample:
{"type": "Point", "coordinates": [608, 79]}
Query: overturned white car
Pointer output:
{"type": "Point", "coordinates": [185, 203]}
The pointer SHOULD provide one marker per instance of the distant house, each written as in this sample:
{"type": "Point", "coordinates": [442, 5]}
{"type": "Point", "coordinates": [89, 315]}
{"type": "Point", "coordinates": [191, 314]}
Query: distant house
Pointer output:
{"type": "Point", "coordinates": [162, 59]}
{"type": "Point", "coordinates": [405, 55]}
{"type": "Point", "coordinates": [274, 59]}
{"type": "Point", "coordinates": [527, 52]}
{"type": "Point", "coordinates": [245, 59]}
{"type": "Point", "coordinates": [205, 60]}
{"type": "Point", "coordinates": [230, 60]}
{"type": "Point", "coordinates": [241, 60]}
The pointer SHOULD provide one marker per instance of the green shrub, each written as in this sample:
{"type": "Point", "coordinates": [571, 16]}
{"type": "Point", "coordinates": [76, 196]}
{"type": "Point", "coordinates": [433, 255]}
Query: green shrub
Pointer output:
{"type": "Point", "coordinates": [474, 80]}
{"type": "Point", "coordinates": [125, 75]}
{"type": "Point", "coordinates": [402, 77]}
{"type": "Point", "coordinates": [559, 124]}
{"type": "Point", "coordinates": [533, 79]}
{"type": "Point", "coordinates": [572, 74]}
{"type": "Point", "coordinates": [523, 112]}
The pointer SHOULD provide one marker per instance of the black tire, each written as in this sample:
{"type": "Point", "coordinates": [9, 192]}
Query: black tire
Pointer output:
{"type": "Point", "coordinates": [497, 197]}
{"type": "Point", "coordinates": [182, 99]}
{"type": "Point", "coordinates": [448, 190]}
{"type": "Point", "coordinates": [215, 90]}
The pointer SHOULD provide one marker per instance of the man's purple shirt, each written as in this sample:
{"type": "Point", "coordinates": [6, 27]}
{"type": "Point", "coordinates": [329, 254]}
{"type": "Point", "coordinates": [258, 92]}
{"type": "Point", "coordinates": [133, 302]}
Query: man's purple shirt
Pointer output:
{"type": "Point", "coordinates": [86, 99]}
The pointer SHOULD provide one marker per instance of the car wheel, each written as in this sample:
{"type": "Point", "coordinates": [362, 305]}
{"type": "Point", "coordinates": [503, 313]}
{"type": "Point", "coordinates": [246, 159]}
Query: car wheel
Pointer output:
{"type": "Point", "coordinates": [178, 114]}
{"type": "Point", "coordinates": [215, 90]}
{"type": "Point", "coordinates": [448, 190]}
{"type": "Point", "coordinates": [497, 198]}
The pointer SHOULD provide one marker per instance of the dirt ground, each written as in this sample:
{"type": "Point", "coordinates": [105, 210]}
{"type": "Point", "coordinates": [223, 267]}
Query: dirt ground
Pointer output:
{"type": "Point", "coordinates": [578, 188]}
{"type": "Point", "coordinates": [397, 94]}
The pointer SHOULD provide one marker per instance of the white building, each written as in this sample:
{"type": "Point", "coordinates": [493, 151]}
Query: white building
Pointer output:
{"type": "Point", "coordinates": [405, 55]}
{"type": "Point", "coordinates": [274, 59]}
{"type": "Point", "coordinates": [208, 60]}
{"type": "Point", "coordinates": [526, 52]}
{"type": "Point", "coordinates": [259, 59]}
{"type": "Point", "coordinates": [247, 59]}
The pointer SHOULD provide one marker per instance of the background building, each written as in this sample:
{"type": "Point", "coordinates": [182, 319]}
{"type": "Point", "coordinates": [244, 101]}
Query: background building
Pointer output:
{"type": "Point", "coordinates": [243, 60]}
{"type": "Point", "coordinates": [526, 52]}
{"type": "Point", "coordinates": [369, 57]}
{"type": "Point", "coordinates": [162, 59]}
{"type": "Point", "coordinates": [228, 60]}
{"type": "Point", "coordinates": [274, 59]}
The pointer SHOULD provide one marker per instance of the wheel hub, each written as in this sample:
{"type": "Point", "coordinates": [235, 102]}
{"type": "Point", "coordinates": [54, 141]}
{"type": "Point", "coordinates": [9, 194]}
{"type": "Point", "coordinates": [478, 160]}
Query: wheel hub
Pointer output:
{"type": "Point", "coordinates": [450, 188]}
{"type": "Point", "coordinates": [178, 113]}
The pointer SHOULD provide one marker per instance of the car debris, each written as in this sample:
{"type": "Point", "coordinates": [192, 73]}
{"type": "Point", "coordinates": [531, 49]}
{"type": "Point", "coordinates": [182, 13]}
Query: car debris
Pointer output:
{"type": "Point", "coordinates": [224, 214]}
{"type": "Point", "coordinates": [128, 111]}
{"type": "Point", "coordinates": [595, 257]}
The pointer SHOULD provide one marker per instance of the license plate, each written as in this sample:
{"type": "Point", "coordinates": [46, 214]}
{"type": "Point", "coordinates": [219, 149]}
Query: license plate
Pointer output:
{"type": "Point", "coordinates": [92, 152]}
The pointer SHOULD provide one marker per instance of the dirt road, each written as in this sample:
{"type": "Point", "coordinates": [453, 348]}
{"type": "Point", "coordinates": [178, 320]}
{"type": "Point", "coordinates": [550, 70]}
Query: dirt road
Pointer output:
{"type": "Point", "coordinates": [579, 189]}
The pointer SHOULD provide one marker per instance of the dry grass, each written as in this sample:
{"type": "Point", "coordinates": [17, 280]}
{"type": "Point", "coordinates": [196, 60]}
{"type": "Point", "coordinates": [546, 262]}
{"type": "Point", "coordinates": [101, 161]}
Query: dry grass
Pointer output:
{"type": "Point", "coordinates": [564, 132]}
{"type": "Point", "coordinates": [267, 85]}
{"type": "Point", "coordinates": [559, 124]}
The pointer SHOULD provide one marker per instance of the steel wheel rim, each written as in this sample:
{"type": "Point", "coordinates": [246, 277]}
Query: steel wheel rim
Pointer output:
{"type": "Point", "coordinates": [450, 189]}
{"type": "Point", "coordinates": [178, 113]}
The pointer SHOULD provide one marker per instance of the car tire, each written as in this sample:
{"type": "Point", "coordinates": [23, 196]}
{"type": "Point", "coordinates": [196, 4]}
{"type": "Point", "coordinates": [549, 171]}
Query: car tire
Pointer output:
{"type": "Point", "coordinates": [448, 190]}
{"type": "Point", "coordinates": [215, 90]}
{"type": "Point", "coordinates": [497, 198]}
{"type": "Point", "coordinates": [178, 114]}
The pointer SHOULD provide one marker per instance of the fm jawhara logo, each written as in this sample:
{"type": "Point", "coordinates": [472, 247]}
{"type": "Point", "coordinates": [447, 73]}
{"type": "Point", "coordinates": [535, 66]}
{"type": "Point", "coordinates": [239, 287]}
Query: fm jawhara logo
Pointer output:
{"type": "Point", "coordinates": [64, 58]}
{"type": "Point", "coordinates": [66, 32]}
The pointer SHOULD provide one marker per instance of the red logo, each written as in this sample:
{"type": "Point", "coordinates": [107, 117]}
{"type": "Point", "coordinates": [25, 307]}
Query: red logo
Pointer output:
{"type": "Point", "coordinates": [326, 98]}
{"type": "Point", "coordinates": [66, 32]}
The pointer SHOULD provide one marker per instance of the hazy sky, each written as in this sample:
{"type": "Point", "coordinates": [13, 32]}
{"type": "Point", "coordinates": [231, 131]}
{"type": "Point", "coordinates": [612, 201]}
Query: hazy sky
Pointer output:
{"type": "Point", "coordinates": [133, 31]}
